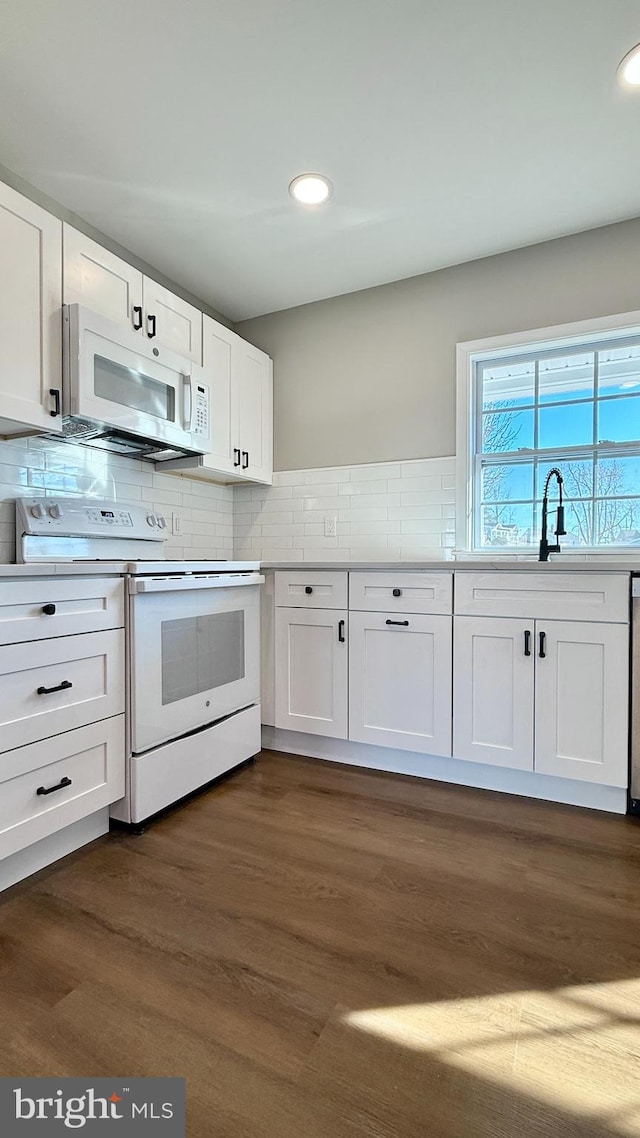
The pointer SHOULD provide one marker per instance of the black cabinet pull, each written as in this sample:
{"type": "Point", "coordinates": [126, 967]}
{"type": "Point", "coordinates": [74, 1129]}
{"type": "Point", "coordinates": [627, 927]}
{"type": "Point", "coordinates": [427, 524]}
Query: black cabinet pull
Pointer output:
{"type": "Point", "coordinates": [136, 319]}
{"type": "Point", "coordinates": [527, 642]}
{"type": "Point", "coordinates": [401, 623]}
{"type": "Point", "coordinates": [151, 326]}
{"type": "Point", "coordinates": [397, 592]}
{"type": "Point", "coordinates": [52, 789]}
{"type": "Point", "coordinates": [542, 653]}
{"type": "Point", "coordinates": [64, 686]}
{"type": "Point", "coordinates": [236, 456]}
{"type": "Point", "coordinates": [308, 590]}
{"type": "Point", "coordinates": [341, 636]}
{"type": "Point", "coordinates": [54, 392]}
{"type": "Point", "coordinates": [49, 610]}
{"type": "Point", "coordinates": [245, 459]}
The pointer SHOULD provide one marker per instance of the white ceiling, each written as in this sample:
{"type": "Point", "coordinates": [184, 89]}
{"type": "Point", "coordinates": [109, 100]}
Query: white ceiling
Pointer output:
{"type": "Point", "coordinates": [450, 128]}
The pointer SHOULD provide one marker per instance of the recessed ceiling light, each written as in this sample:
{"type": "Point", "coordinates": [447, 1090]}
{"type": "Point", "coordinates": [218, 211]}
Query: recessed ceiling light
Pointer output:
{"type": "Point", "coordinates": [310, 189]}
{"type": "Point", "coordinates": [629, 69]}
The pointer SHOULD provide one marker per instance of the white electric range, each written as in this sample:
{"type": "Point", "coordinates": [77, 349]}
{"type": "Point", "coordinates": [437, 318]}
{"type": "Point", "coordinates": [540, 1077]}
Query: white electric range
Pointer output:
{"type": "Point", "coordinates": [193, 643]}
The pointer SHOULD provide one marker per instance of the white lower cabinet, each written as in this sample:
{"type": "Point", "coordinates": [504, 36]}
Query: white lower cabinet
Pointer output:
{"type": "Point", "coordinates": [311, 671]}
{"type": "Point", "coordinates": [582, 697]}
{"type": "Point", "coordinates": [493, 685]}
{"type": "Point", "coordinates": [544, 695]}
{"type": "Point", "coordinates": [400, 681]}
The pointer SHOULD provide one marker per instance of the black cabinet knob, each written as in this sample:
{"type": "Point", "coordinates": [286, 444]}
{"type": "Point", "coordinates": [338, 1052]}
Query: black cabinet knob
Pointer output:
{"type": "Point", "coordinates": [397, 592]}
{"type": "Point", "coordinates": [49, 610]}
{"type": "Point", "coordinates": [308, 590]}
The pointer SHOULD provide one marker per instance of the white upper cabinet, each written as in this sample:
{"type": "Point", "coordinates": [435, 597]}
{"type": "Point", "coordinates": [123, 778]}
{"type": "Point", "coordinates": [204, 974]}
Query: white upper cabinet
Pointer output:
{"type": "Point", "coordinates": [254, 397]}
{"type": "Point", "coordinates": [240, 379]}
{"type": "Point", "coordinates": [30, 316]}
{"type": "Point", "coordinates": [217, 347]}
{"type": "Point", "coordinates": [582, 697]}
{"type": "Point", "coordinates": [171, 322]}
{"type": "Point", "coordinates": [106, 284]}
{"type": "Point", "coordinates": [99, 280]}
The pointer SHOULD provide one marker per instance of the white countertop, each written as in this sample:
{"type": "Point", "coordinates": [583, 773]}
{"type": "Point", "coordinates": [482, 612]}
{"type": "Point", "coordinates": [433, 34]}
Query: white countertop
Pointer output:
{"type": "Point", "coordinates": [595, 565]}
{"type": "Point", "coordinates": [117, 568]}
{"type": "Point", "coordinates": [66, 569]}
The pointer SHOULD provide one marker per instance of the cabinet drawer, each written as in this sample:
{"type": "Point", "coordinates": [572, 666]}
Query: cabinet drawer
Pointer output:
{"type": "Point", "coordinates": [90, 758]}
{"type": "Point", "coordinates": [84, 681]}
{"type": "Point", "coordinates": [311, 590]}
{"type": "Point", "coordinates": [429, 593]}
{"type": "Point", "coordinates": [42, 608]}
{"type": "Point", "coordinates": [564, 596]}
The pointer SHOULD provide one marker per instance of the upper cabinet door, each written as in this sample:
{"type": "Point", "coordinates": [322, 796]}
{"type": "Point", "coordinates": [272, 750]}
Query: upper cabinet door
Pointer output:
{"type": "Point", "coordinates": [101, 281]}
{"type": "Point", "coordinates": [254, 390]}
{"type": "Point", "coordinates": [217, 349]}
{"type": "Point", "coordinates": [493, 685]}
{"type": "Point", "coordinates": [171, 322]}
{"type": "Point", "coordinates": [582, 696]}
{"type": "Point", "coordinates": [30, 315]}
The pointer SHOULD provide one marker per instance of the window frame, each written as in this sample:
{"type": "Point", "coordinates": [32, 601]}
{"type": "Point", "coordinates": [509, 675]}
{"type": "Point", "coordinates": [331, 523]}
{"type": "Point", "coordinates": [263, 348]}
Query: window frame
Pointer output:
{"type": "Point", "coordinates": [583, 333]}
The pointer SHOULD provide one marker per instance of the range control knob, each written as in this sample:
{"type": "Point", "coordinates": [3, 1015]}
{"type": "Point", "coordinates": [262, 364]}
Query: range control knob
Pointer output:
{"type": "Point", "coordinates": [55, 511]}
{"type": "Point", "coordinates": [151, 520]}
{"type": "Point", "coordinates": [162, 522]}
{"type": "Point", "coordinates": [37, 511]}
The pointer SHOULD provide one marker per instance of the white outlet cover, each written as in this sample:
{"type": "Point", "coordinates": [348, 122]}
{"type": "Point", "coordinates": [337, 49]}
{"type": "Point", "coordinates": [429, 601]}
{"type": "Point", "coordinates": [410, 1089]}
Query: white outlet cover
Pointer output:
{"type": "Point", "coordinates": [330, 526]}
{"type": "Point", "coordinates": [176, 523]}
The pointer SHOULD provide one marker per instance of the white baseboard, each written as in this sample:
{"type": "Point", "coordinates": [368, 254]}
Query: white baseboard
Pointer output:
{"type": "Point", "coordinates": [22, 864]}
{"type": "Point", "coordinates": [528, 784]}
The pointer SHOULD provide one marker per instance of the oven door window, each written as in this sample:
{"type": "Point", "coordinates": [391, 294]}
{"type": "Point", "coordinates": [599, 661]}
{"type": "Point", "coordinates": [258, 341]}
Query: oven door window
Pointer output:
{"type": "Point", "coordinates": [133, 389]}
{"type": "Point", "coordinates": [201, 653]}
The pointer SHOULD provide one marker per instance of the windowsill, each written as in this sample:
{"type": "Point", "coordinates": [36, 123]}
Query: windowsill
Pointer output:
{"type": "Point", "coordinates": [630, 553]}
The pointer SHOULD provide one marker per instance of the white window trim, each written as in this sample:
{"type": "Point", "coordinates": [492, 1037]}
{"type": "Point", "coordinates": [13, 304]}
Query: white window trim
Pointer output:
{"type": "Point", "coordinates": [581, 331]}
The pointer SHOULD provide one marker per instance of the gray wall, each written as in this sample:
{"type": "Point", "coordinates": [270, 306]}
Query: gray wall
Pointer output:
{"type": "Point", "coordinates": [370, 376]}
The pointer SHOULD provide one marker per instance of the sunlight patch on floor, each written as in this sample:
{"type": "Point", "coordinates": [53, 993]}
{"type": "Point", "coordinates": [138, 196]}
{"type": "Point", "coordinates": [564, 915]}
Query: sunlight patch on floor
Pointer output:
{"type": "Point", "coordinates": [577, 1048]}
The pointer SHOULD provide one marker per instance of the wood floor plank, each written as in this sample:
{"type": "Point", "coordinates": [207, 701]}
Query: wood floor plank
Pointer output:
{"type": "Point", "coordinates": [337, 953]}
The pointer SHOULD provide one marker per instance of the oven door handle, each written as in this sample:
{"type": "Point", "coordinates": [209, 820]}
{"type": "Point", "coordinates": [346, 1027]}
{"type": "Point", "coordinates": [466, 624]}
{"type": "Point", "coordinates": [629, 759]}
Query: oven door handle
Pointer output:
{"type": "Point", "coordinates": [184, 584]}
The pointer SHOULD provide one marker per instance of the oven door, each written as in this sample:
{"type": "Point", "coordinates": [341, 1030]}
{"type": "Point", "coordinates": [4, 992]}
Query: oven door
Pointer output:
{"type": "Point", "coordinates": [114, 377]}
{"type": "Point", "coordinates": [194, 653]}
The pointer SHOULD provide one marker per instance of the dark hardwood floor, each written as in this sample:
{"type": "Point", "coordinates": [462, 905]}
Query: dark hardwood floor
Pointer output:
{"type": "Point", "coordinates": [326, 952]}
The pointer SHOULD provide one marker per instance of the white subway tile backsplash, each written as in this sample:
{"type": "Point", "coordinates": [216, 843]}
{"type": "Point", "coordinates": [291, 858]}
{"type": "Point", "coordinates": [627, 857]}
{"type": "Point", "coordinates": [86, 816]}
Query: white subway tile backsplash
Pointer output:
{"type": "Point", "coordinates": [334, 475]}
{"type": "Point", "coordinates": [44, 468]}
{"type": "Point", "coordinates": [376, 486]}
{"type": "Point", "coordinates": [384, 511]}
{"type": "Point", "coordinates": [371, 473]}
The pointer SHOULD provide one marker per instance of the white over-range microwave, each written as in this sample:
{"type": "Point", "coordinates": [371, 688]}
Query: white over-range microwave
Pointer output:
{"type": "Point", "coordinates": [123, 393]}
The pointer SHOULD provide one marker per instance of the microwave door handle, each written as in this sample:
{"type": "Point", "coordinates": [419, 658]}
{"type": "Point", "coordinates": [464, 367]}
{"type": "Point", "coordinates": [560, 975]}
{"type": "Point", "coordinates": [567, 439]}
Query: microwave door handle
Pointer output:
{"type": "Point", "coordinates": [187, 402]}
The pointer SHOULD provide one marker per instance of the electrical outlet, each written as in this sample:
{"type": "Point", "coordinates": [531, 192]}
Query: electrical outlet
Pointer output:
{"type": "Point", "coordinates": [176, 523]}
{"type": "Point", "coordinates": [330, 526]}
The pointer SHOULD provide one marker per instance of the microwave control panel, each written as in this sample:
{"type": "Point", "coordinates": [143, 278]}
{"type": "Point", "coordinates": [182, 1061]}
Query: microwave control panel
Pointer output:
{"type": "Point", "coordinates": [201, 411]}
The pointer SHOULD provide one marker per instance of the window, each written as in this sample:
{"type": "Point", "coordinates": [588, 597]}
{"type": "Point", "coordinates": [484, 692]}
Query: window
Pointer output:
{"type": "Point", "coordinates": [571, 402]}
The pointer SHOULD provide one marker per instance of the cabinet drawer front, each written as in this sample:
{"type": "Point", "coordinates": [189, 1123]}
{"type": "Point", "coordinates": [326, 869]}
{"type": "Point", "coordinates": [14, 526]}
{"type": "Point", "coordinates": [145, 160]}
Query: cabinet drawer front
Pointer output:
{"type": "Point", "coordinates": [40, 609]}
{"type": "Point", "coordinates": [430, 593]}
{"type": "Point", "coordinates": [311, 590]}
{"type": "Point", "coordinates": [90, 758]}
{"type": "Point", "coordinates": [566, 596]}
{"type": "Point", "coordinates": [50, 687]}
